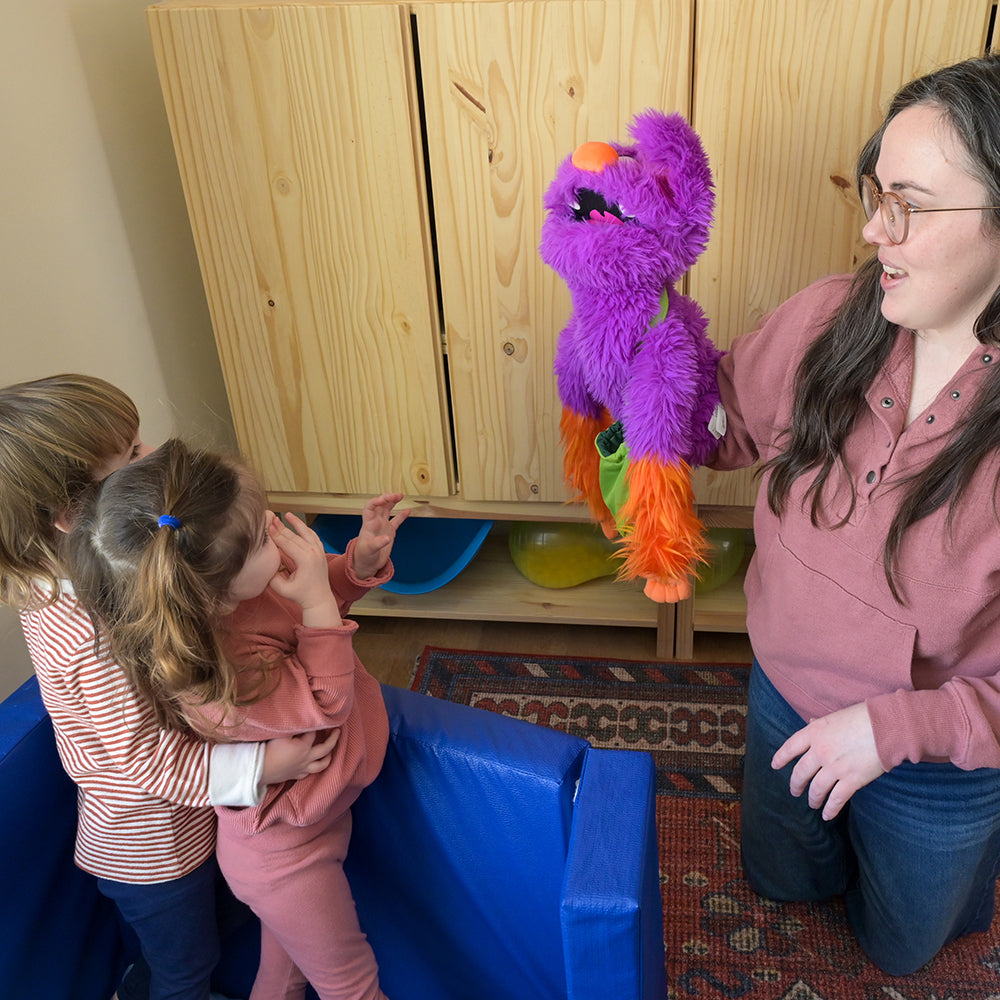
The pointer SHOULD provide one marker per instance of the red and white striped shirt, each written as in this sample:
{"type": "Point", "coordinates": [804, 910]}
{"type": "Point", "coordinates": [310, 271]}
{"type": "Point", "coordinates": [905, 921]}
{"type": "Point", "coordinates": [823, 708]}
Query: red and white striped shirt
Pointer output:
{"type": "Point", "coordinates": [144, 803]}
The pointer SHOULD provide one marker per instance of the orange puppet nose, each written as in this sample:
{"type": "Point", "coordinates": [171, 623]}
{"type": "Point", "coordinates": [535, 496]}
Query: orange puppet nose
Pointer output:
{"type": "Point", "coordinates": [594, 156]}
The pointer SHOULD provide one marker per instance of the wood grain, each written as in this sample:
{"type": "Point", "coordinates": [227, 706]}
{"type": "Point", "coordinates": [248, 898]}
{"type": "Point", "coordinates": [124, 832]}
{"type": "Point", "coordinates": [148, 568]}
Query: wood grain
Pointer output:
{"type": "Point", "coordinates": [785, 94]}
{"type": "Point", "coordinates": [510, 90]}
{"type": "Point", "coordinates": [295, 134]}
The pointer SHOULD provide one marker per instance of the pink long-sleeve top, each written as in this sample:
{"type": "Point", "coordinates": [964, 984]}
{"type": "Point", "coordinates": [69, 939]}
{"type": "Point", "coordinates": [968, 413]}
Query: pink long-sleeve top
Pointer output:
{"type": "Point", "coordinates": [315, 683]}
{"type": "Point", "coordinates": [822, 620]}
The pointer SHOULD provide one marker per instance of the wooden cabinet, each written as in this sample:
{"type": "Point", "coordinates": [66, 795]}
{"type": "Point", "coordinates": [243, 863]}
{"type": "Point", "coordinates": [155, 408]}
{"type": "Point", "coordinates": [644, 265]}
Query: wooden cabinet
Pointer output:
{"type": "Point", "coordinates": [365, 187]}
{"type": "Point", "coordinates": [365, 181]}
{"type": "Point", "coordinates": [298, 139]}
{"type": "Point", "coordinates": [509, 90]}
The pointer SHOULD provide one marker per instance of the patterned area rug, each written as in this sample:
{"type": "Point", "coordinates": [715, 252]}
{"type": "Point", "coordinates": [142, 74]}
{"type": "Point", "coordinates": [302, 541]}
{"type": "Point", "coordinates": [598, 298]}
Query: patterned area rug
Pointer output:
{"type": "Point", "coordinates": [722, 940]}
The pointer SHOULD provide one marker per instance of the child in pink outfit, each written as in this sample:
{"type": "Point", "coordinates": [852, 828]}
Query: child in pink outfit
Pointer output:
{"type": "Point", "coordinates": [232, 623]}
{"type": "Point", "coordinates": [285, 857]}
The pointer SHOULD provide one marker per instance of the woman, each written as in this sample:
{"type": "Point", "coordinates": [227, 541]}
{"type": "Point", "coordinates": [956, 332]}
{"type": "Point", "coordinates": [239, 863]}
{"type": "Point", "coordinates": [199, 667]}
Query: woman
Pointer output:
{"type": "Point", "coordinates": [874, 596]}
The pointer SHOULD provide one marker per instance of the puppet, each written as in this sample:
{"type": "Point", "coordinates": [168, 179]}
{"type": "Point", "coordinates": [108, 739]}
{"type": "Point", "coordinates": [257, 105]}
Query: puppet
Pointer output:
{"type": "Point", "coordinates": [634, 366]}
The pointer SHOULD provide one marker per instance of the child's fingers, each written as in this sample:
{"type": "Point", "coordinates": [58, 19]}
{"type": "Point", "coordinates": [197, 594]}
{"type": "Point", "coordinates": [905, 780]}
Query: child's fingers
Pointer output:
{"type": "Point", "coordinates": [297, 527]}
{"type": "Point", "coordinates": [295, 536]}
{"type": "Point", "coordinates": [382, 505]}
{"type": "Point", "coordinates": [378, 542]}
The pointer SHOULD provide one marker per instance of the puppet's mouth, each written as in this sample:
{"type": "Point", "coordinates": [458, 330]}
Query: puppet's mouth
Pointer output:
{"type": "Point", "coordinates": [591, 207]}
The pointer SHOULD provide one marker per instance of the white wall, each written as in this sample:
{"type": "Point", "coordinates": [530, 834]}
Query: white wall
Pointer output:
{"type": "Point", "coordinates": [98, 272]}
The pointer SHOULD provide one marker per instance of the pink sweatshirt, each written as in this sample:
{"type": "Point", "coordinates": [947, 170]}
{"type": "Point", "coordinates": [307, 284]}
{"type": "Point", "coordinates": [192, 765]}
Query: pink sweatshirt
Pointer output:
{"type": "Point", "coordinates": [316, 683]}
{"type": "Point", "coordinates": [821, 618]}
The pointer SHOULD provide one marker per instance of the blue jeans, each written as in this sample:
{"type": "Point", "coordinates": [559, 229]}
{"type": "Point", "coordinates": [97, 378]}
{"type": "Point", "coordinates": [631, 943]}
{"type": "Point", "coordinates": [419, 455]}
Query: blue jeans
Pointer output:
{"type": "Point", "coordinates": [916, 852]}
{"type": "Point", "coordinates": [177, 929]}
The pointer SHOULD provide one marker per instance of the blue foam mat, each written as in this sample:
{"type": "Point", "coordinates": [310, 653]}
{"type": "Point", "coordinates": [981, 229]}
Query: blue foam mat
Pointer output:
{"type": "Point", "coordinates": [428, 552]}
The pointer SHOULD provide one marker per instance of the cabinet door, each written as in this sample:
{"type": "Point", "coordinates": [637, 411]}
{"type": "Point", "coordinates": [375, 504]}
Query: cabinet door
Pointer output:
{"type": "Point", "coordinates": [510, 89]}
{"type": "Point", "coordinates": [297, 137]}
{"type": "Point", "coordinates": [786, 93]}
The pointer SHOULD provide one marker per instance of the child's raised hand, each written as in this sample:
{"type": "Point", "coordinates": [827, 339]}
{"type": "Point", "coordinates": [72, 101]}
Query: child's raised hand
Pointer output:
{"type": "Point", "coordinates": [288, 758]}
{"type": "Point", "coordinates": [378, 532]}
{"type": "Point", "coordinates": [303, 576]}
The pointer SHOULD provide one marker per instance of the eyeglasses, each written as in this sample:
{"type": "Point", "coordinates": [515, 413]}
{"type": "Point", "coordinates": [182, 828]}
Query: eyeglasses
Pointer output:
{"type": "Point", "coordinates": [896, 212]}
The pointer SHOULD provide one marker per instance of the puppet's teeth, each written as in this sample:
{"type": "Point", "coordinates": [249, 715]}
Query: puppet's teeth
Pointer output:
{"type": "Point", "coordinates": [575, 206]}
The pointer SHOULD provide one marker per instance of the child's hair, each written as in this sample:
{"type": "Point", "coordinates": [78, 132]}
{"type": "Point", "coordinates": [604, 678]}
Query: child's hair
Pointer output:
{"type": "Point", "coordinates": [55, 433]}
{"type": "Point", "coordinates": [158, 585]}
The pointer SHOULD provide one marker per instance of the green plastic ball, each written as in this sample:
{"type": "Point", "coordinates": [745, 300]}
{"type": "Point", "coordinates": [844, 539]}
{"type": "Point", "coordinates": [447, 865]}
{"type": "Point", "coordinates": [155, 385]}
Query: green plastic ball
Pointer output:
{"type": "Point", "coordinates": [728, 547]}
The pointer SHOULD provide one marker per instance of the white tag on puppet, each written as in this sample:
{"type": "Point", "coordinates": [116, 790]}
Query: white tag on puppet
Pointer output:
{"type": "Point", "coordinates": [717, 425]}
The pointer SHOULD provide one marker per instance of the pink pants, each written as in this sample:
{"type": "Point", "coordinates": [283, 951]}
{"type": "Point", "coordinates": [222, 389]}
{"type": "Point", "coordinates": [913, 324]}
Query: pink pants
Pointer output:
{"type": "Point", "coordinates": [293, 879]}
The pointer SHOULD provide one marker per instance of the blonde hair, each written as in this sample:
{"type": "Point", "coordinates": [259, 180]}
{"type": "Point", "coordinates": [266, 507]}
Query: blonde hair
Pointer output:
{"type": "Point", "coordinates": [54, 434]}
{"type": "Point", "coordinates": [159, 589]}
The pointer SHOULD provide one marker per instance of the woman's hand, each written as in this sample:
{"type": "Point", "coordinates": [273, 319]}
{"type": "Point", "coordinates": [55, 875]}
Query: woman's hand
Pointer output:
{"type": "Point", "coordinates": [837, 756]}
{"type": "Point", "coordinates": [303, 576]}
{"type": "Point", "coordinates": [378, 532]}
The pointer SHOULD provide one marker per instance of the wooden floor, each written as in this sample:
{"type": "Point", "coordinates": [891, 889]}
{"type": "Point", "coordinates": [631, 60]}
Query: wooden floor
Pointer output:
{"type": "Point", "coordinates": [390, 647]}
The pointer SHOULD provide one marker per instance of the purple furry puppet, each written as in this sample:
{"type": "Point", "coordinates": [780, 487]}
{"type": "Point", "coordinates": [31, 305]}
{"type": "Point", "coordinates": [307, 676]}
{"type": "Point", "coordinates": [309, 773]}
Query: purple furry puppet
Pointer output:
{"type": "Point", "coordinates": [635, 367]}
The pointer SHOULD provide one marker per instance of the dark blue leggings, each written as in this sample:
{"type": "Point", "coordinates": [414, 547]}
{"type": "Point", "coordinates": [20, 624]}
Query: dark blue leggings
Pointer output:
{"type": "Point", "coordinates": [177, 929]}
{"type": "Point", "coordinates": [916, 852]}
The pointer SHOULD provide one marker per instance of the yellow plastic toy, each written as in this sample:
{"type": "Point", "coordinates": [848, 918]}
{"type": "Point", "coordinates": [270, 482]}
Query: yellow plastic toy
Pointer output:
{"type": "Point", "coordinates": [565, 554]}
{"type": "Point", "coordinates": [562, 554]}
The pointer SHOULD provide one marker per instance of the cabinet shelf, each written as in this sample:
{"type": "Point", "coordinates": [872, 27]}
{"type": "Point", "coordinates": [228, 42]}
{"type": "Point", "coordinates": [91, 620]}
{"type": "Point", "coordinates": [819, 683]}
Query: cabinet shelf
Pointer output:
{"type": "Point", "coordinates": [491, 588]}
{"type": "Point", "coordinates": [721, 610]}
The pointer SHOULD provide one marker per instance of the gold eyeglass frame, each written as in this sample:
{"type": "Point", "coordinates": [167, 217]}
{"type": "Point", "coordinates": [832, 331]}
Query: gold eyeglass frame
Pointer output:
{"type": "Point", "coordinates": [882, 201]}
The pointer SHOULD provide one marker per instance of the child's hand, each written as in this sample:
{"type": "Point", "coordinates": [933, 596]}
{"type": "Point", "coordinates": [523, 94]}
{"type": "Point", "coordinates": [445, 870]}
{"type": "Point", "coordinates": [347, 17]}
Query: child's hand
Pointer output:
{"type": "Point", "coordinates": [378, 532]}
{"type": "Point", "coordinates": [288, 758]}
{"type": "Point", "coordinates": [303, 576]}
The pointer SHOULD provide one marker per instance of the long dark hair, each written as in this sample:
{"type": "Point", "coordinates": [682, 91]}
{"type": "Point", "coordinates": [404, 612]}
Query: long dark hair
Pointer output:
{"type": "Point", "coordinates": [838, 368]}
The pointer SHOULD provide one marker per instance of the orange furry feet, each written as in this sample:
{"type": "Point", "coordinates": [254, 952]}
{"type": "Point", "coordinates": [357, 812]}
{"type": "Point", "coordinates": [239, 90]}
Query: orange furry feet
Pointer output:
{"type": "Point", "coordinates": [664, 540]}
{"type": "Point", "coordinates": [668, 593]}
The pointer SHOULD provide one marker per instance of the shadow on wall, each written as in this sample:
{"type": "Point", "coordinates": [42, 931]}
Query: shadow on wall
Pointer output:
{"type": "Point", "coordinates": [15, 666]}
{"type": "Point", "coordinates": [117, 58]}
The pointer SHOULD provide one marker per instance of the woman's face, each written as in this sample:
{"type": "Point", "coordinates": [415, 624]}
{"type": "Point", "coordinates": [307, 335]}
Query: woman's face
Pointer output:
{"type": "Point", "coordinates": [939, 279]}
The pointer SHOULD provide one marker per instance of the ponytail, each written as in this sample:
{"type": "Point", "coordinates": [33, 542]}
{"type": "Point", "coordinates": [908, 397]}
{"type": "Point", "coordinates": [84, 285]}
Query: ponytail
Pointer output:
{"type": "Point", "coordinates": [153, 553]}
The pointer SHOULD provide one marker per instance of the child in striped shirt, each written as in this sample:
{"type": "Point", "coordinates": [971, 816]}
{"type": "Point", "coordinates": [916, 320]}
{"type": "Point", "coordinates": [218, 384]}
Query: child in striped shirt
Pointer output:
{"type": "Point", "coordinates": [146, 824]}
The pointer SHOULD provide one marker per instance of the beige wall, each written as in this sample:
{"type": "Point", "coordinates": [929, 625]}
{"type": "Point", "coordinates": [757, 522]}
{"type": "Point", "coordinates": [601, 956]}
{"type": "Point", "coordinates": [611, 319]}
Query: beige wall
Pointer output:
{"type": "Point", "coordinates": [97, 268]}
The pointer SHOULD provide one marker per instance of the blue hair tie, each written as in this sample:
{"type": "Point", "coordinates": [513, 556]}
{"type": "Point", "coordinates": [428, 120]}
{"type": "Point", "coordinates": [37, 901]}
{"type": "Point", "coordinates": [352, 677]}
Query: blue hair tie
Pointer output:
{"type": "Point", "coordinates": [169, 521]}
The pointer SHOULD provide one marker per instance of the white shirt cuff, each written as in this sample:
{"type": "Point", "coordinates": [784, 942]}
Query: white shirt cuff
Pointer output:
{"type": "Point", "coordinates": [234, 774]}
